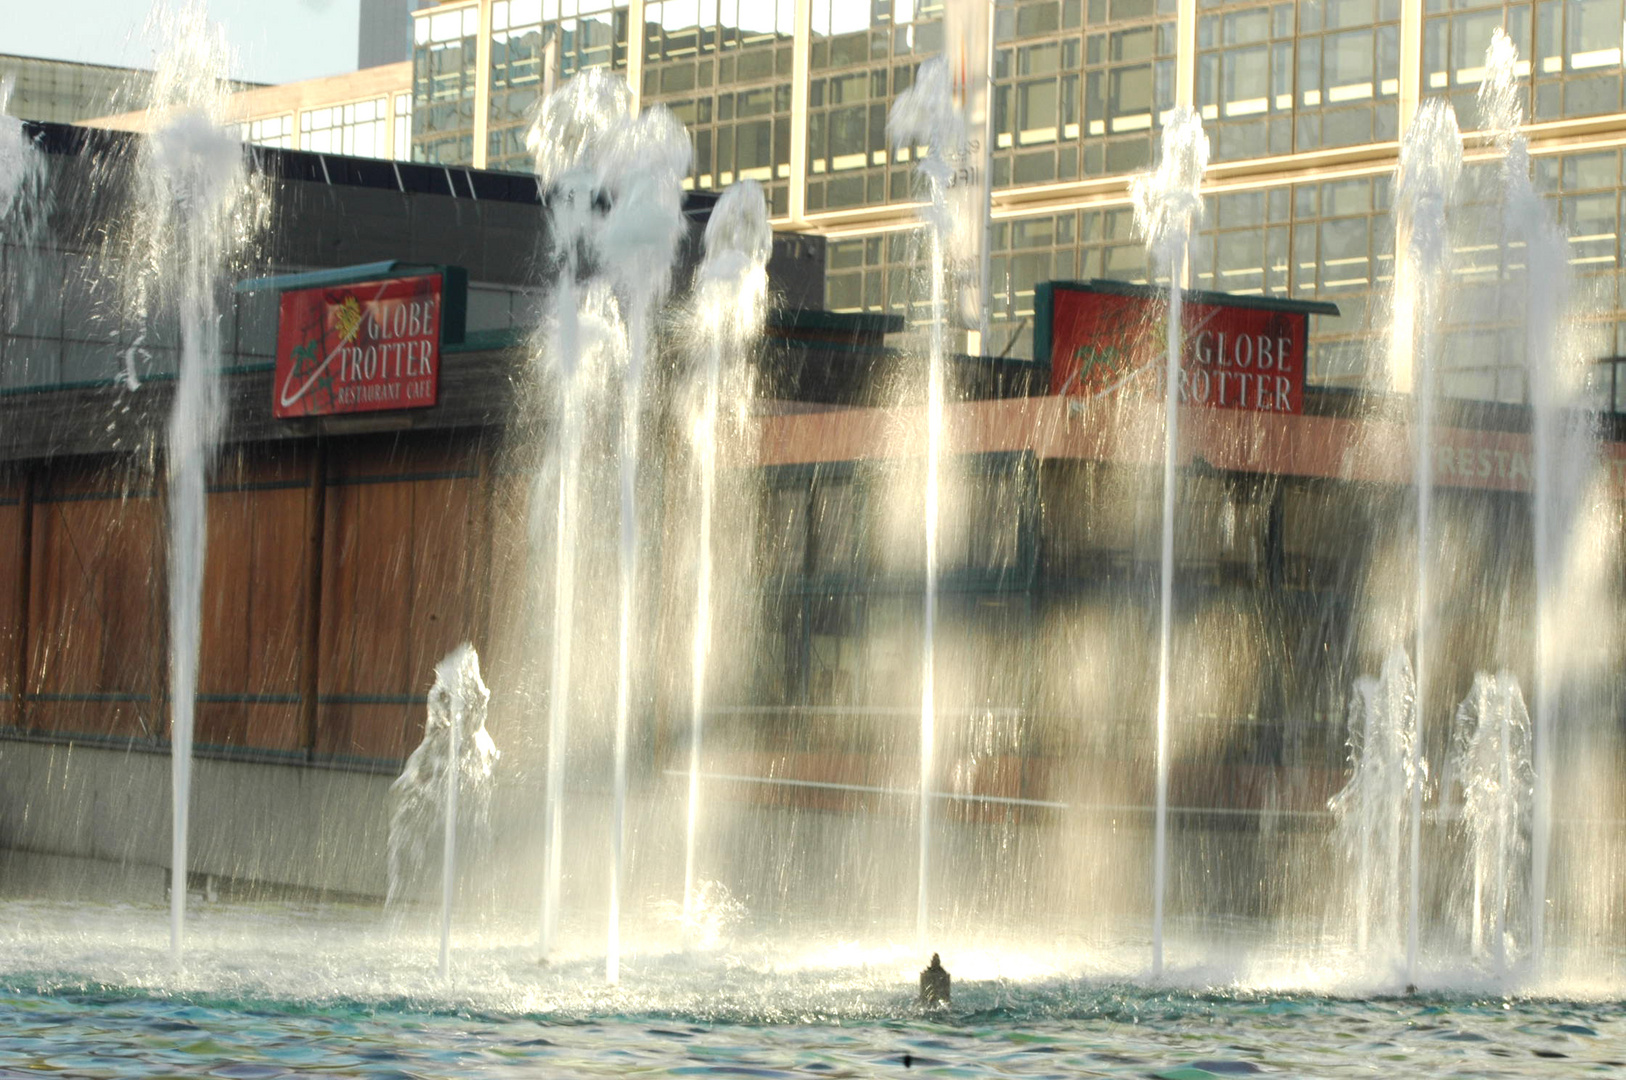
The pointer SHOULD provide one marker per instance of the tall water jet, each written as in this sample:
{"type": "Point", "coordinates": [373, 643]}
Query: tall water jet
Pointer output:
{"type": "Point", "coordinates": [568, 137]}
{"type": "Point", "coordinates": [614, 184]}
{"type": "Point", "coordinates": [446, 781]}
{"type": "Point", "coordinates": [1372, 808]}
{"type": "Point", "coordinates": [642, 177]}
{"type": "Point", "coordinates": [1556, 441]}
{"type": "Point", "coordinates": [197, 211]}
{"type": "Point", "coordinates": [23, 205]}
{"type": "Point", "coordinates": [925, 115]}
{"type": "Point", "coordinates": [731, 295]}
{"type": "Point", "coordinates": [1168, 202]}
{"type": "Point", "coordinates": [1430, 162]}
{"type": "Point", "coordinates": [1491, 762]}
{"type": "Point", "coordinates": [22, 176]}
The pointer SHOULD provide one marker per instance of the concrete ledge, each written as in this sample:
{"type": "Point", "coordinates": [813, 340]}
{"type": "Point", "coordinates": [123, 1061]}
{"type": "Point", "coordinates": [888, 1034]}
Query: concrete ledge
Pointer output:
{"type": "Point", "coordinates": [319, 829]}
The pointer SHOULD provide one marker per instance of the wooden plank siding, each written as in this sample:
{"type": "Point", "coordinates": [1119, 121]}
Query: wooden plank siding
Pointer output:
{"type": "Point", "coordinates": [14, 570]}
{"type": "Point", "coordinates": [95, 635]}
{"type": "Point", "coordinates": [253, 603]}
{"type": "Point", "coordinates": [404, 560]}
{"type": "Point", "coordinates": [404, 527]}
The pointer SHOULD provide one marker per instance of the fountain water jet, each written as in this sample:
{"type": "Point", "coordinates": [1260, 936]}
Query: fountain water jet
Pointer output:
{"type": "Point", "coordinates": [1372, 808]}
{"type": "Point", "coordinates": [731, 296]}
{"type": "Point", "coordinates": [1168, 202]}
{"type": "Point", "coordinates": [567, 138]}
{"type": "Point", "coordinates": [619, 177]}
{"type": "Point", "coordinates": [24, 197]}
{"type": "Point", "coordinates": [198, 208]}
{"type": "Point", "coordinates": [643, 176]}
{"type": "Point", "coordinates": [22, 176]}
{"type": "Point", "coordinates": [447, 778]}
{"type": "Point", "coordinates": [1430, 162]}
{"type": "Point", "coordinates": [1491, 762]}
{"type": "Point", "coordinates": [1558, 439]}
{"type": "Point", "coordinates": [925, 115]}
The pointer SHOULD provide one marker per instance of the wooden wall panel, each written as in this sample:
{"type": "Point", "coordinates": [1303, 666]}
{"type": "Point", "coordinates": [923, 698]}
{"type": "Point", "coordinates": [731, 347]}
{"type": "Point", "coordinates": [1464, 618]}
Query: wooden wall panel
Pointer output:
{"type": "Point", "coordinates": [254, 606]}
{"type": "Point", "coordinates": [366, 603]}
{"type": "Point", "coordinates": [367, 589]}
{"type": "Point", "coordinates": [341, 543]}
{"type": "Point", "coordinates": [405, 547]}
{"type": "Point", "coordinates": [275, 634]}
{"type": "Point", "coordinates": [96, 642]}
{"type": "Point", "coordinates": [508, 575]}
{"type": "Point", "coordinates": [447, 543]}
{"type": "Point", "coordinates": [12, 616]}
{"type": "Point", "coordinates": [223, 652]}
{"type": "Point", "coordinates": [402, 567]}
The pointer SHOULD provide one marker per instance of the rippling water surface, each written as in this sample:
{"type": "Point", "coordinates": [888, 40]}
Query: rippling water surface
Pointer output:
{"type": "Point", "coordinates": [1111, 1032]}
{"type": "Point", "coordinates": [283, 992]}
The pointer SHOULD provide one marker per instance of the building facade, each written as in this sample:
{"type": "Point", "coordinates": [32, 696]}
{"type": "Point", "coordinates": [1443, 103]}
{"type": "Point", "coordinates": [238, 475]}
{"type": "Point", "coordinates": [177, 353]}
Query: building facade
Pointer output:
{"type": "Point", "coordinates": [398, 564]}
{"type": "Point", "coordinates": [1305, 104]}
{"type": "Point", "coordinates": [366, 113]}
{"type": "Point", "coordinates": [65, 92]}
{"type": "Point", "coordinates": [347, 553]}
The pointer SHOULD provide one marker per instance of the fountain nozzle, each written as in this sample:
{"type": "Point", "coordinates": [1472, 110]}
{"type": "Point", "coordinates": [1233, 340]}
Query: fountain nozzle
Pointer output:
{"type": "Point", "coordinates": [935, 984]}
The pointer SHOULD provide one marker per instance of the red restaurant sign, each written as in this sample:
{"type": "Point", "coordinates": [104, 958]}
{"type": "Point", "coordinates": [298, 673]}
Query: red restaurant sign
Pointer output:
{"type": "Point", "coordinates": [359, 348]}
{"type": "Point", "coordinates": [1235, 356]}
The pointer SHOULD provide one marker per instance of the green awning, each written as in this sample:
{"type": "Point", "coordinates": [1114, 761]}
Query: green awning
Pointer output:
{"type": "Point", "coordinates": [339, 275]}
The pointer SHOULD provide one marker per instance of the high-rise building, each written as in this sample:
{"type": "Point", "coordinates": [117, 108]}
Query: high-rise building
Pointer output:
{"type": "Point", "coordinates": [385, 31]}
{"type": "Point", "coordinates": [1304, 103]}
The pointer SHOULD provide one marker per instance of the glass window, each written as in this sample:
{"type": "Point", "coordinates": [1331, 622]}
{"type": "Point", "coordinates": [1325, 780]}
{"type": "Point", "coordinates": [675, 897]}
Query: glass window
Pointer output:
{"type": "Point", "coordinates": [357, 129]}
{"type": "Point", "coordinates": [1454, 44]}
{"type": "Point", "coordinates": [1281, 78]}
{"type": "Point", "coordinates": [535, 45]}
{"type": "Point", "coordinates": [1569, 54]}
{"type": "Point", "coordinates": [269, 131]}
{"type": "Point", "coordinates": [1577, 58]}
{"type": "Point", "coordinates": [741, 130]}
{"type": "Point", "coordinates": [443, 64]}
{"type": "Point", "coordinates": [862, 54]}
{"type": "Point", "coordinates": [403, 126]}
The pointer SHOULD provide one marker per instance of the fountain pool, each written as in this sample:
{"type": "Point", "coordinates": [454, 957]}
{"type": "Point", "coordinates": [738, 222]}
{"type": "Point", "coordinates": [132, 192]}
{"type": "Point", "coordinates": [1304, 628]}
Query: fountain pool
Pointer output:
{"type": "Point", "coordinates": [95, 996]}
{"type": "Point", "coordinates": [812, 646]}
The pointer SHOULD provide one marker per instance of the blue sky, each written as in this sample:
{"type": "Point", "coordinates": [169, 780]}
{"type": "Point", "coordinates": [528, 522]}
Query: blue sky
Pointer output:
{"type": "Point", "coordinates": [275, 40]}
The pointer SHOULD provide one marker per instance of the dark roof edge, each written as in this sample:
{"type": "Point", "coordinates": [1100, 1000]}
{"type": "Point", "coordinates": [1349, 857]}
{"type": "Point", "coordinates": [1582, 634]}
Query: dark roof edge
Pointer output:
{"type": "Point", "coordinates": [1202, 296]}
{"type": "Point", "coordinates": [382, 174]}
{"type": "Point", "coordinates": [846, 322]}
